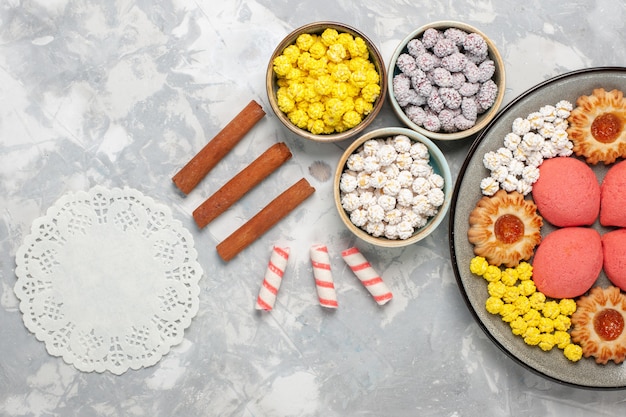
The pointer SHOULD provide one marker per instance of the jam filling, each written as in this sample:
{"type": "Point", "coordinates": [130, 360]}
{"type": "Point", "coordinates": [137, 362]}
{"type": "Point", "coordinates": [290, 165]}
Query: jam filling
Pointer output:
{"type": "Point", "coordinates": [608, 324]}
{"type": "Point", "coordinates": [607, 127]}
{"type": "Point", "coordinates": [508, 228]}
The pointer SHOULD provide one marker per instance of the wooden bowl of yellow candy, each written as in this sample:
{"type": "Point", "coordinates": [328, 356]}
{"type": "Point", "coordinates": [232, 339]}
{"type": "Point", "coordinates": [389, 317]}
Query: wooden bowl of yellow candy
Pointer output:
{"type": "Point", "coordinates": [326, 81]}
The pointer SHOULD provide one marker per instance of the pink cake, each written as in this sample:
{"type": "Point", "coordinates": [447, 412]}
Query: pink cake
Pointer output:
{"type": "Point", "coordinates": [567, 262]}
{"type": "Point", "coordinates": [614, 247]}
{"type": "Point", "coordinates": [613, 196]}
{"type": "Point", "coordinates": [567, 192]}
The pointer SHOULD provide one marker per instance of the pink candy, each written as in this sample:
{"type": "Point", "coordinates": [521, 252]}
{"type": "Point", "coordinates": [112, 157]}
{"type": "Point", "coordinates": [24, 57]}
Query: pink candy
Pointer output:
{"type": "Point", "coordinates": [451, 98]}
{"type": "Point", "coordinates": [407, 64]}
{"type": "Point", "coordinates": [444, 47]}
{"type": "Point", "coordinates": [273, 278]}
{"type": "Point", "coordinates": [442, 77]}
{"type": "Point", "coordinates": [454, 62]}
{"type": "Point", "coordinates": [487, 94]}
{"type": "Point", "coordinates": [439, 71]}
{"type": "Point", "coordinates": [320, 260]}
{"type": "Point", "coordinates": [364, 271]}
{"type": "Point", "coordinates": [324, 283]}
{"type": "Point", "coordinates": [475, 44]}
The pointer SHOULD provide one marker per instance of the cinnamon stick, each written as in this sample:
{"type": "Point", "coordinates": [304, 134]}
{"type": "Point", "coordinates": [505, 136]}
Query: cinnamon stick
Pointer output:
{"type": "Point", "coordinates": [241, 183]}
{"type": "Point", "coordinates": [199, 166]}
{"type": "Point", "coordinates": [264, 219]}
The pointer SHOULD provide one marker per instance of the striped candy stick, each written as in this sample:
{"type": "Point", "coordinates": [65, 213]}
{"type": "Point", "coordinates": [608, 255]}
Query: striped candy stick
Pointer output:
{"type": "Point", "coordinates": [323, 277]}
{"type": "Point", "coordinates": [367, 275]}
{"type": "Point", "coordinates": [273, 278]}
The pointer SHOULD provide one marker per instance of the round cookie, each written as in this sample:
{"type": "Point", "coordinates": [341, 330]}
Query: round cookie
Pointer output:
{"type": "Point", "coordinates": [567, 262]}
{"type": "Point", "coordinates": [597, 126]}
{"type": "Point", "coordinates": [613, 246]}
{"type": "Point", "coordinates": [567, 192]}
{"type": "Point", "coordinates": [613, 196]}
{"type": "Point", "coordinates": [505, 228]}
{"type": "Point", "coordinates": [598, 324]}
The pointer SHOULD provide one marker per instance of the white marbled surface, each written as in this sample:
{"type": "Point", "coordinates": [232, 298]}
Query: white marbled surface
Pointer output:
{"type": "Point", "coordinates": [124, 92]}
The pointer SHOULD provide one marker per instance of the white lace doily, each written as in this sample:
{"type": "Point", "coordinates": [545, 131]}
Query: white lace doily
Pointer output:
{"type": "Point", "coordinates": [108, 280]}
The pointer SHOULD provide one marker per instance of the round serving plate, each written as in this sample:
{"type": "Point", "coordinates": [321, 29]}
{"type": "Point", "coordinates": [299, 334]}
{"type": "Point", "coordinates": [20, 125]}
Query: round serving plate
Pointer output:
{"type": "Point", "coordinates": [553, 364]}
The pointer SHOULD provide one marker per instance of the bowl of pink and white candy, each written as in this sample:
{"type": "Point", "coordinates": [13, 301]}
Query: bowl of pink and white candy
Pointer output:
{"type": "Point", "coordinates": [446, 80]}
